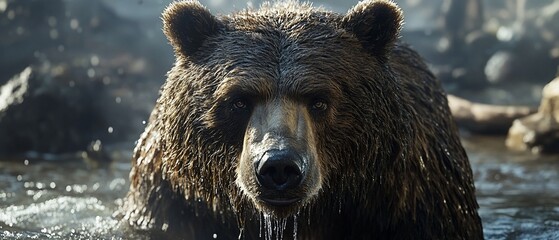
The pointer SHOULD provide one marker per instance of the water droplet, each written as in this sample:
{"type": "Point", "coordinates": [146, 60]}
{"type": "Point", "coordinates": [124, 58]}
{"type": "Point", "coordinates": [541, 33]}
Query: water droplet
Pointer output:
{"type": "Point", "coordinates": [3, 6]}
{"type": "Point", "coordinates": [91, 73]}
{"type": "Point", "coordinates": [96, 145]}
{"type": "Point", "coordinates": [110, 130]}
{"type": "Point", "coordinates": [295, 225]}
{"type": "Point", "coordinates": [214, 236]}
{"type": "Point", "coordinates": [37, 195]}
{"type": "Point", "coordinates": [11, 14]}
{"type": "Point", "coordinates": [118, 100]}
{"type": "Point", "coordinates": [94, 60]}
{"type": "Point", "coordinates": [268, 222]}
{"type": "Point", "coordinates": [19, 178]}
{"type": "Point", "coordinates": [144, 122]}
{"type": "Point", "coordinates": [106, 80]}
{"type": "Point", "coordinates": [74, 24]}
{"type": "Point", "coordinates": [282, 226]}
{"type": "Point", "coordinates": [52, 185]}
{"type": "Point", "coordinates": [117, 183]}
{"type": "Point", "coordinates": [53, 33]}
{"type": "Point", "coordinates": [20, 30]}
{"type": "Point", "coordinates": [25, 162]}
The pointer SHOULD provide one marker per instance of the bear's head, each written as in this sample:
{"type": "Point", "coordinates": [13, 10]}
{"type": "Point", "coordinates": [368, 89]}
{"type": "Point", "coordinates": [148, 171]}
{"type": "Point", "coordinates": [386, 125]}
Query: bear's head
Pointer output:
{"type": "Point", "coordinates": [271, 107]}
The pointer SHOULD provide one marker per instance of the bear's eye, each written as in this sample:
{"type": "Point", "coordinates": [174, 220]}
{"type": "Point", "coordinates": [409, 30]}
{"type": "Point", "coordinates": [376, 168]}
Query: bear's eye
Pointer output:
{"type": "Point", "coordinates": [239, 104]}
{"type": "Point", "coordinates": [319, 105]}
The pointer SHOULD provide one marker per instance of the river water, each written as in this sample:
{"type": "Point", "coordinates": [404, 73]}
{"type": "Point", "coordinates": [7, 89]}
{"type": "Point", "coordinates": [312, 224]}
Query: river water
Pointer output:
{"type": "Point", "coordinates": [70, 198]}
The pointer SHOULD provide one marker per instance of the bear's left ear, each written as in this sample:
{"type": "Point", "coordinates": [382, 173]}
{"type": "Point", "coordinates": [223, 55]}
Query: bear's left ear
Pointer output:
{"type": "Point", "coordinates": [187, 25]}
{"type": "Point", "coordinates": [376, 23]}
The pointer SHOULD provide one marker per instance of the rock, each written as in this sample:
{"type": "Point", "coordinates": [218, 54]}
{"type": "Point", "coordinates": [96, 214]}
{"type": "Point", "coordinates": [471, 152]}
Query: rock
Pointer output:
{"type": "Point", "coordinates": [83, 73]}
{"type": "Point", "coordinates": [525, 60]}
{"type": "Point", "coordinates": [539, 132]}
{"type": "Point", "coordinates": [58, 108]}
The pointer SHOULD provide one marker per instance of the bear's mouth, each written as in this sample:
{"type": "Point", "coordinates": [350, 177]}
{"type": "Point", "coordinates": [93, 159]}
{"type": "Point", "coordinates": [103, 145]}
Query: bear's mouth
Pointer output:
{"type": "Point", "coordinates": [279, 201]}
{"type": "Point", "coordinates": [280, 206]}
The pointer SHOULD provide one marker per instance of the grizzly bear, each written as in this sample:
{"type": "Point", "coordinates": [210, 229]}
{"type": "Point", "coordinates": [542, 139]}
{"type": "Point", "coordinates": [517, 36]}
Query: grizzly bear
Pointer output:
{"type": "Point", "coordinates": [295, 122]}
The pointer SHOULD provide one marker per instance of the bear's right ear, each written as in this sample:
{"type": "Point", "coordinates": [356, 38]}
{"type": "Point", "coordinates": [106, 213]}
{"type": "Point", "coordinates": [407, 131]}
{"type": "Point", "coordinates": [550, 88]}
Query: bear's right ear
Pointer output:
{"type": "Point", "coordinates": [187, 24]}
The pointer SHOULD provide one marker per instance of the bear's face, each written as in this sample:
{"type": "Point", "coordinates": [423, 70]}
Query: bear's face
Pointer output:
{"type": "Point", "coordinates": [281, 86]}
{"type": "Point", "coordinates": [274, 102]}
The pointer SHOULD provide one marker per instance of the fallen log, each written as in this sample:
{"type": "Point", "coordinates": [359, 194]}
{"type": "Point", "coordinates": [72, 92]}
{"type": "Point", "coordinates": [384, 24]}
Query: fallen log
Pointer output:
{"type": "Point", "coordinates": [485, 118]}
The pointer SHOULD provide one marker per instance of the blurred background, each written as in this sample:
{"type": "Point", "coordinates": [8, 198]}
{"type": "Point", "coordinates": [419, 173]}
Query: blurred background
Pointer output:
{"type": "Point", "coordinates": [94, 67]}
{"type": "Point", "coordinates": [79, 78]}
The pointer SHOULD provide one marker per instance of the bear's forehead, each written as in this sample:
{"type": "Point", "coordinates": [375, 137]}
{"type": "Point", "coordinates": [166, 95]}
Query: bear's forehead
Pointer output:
{"type": "Point", "coordinates": [284, 46]}
{"type": "Point", "coordinates": [279, 60]}
{"type": "Point", "coordinates": [286, 50]}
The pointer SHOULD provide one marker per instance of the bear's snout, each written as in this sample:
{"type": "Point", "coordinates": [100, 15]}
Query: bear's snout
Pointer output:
{"type": "Point", "coordinates": [280, 169]}
{"type": "Point", "coordinates": [278, 166]}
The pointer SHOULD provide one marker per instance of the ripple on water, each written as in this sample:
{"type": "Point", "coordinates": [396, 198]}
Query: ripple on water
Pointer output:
{"type": "Point", "coordinates": [518, 193]}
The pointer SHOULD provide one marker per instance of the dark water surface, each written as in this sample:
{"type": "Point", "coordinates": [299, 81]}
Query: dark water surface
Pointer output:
{"type": "Point", "coordinates": [518, 193]}
{"type": "Point", "coordinates": [68, 198]}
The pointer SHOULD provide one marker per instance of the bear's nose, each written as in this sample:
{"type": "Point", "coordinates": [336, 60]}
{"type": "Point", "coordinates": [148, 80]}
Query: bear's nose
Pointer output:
{"type": "Point", "coordinates": [279, 169]}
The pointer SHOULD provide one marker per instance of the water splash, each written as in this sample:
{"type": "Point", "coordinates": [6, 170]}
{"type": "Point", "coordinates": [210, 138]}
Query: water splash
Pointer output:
{"type": "Point", "coordinates": [59, 218]}
{"type": "Point", "coordinates": [518, 197]}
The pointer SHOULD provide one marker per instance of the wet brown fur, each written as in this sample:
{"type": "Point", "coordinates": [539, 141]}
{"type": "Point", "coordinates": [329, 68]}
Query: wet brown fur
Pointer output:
{"type": "Point", "coordinates": [391, 161]}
